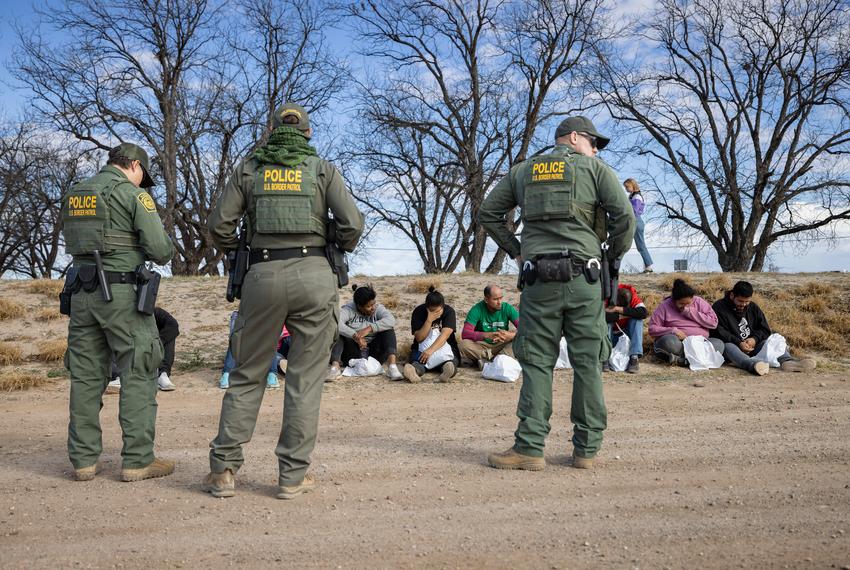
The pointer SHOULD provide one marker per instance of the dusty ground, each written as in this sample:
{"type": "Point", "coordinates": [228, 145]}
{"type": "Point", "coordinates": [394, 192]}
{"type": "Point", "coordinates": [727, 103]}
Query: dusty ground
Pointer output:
{"type": "Point", "coordinates": [742, 472]}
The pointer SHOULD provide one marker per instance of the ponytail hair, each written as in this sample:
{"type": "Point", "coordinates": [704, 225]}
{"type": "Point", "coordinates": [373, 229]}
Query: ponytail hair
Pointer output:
{"type": "Point", "coordinates": [363, 294]}
{"type": "Point", "coordinates": [681, 290]}
{"type": "Point", "coordinates": [434, 298]}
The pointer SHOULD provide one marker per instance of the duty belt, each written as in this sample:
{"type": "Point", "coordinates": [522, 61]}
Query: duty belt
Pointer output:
{"type": "Point", "coordinates": [113, 277]}
{"type": "Point", "coordinates": [262, 255]}
{"type": "Point", "coordinates": [561, 267]}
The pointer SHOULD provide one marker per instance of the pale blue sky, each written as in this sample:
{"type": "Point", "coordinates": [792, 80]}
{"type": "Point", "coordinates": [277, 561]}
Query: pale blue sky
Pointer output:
{"type": "Point", "coordinates": [391, 254]}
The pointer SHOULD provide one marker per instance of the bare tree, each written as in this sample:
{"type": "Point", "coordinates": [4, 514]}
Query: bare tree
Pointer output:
{"type": "Point", "coordinates": [745, 107]}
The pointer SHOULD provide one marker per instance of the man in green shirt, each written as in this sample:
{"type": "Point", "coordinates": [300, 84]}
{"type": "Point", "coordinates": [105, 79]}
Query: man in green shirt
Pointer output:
{"type": "Point", "coordinates": [486, 329]}
{"type": "Point", "coordinates": [113, 215]}
{"type": "Point", "coordinates": [571, 202]}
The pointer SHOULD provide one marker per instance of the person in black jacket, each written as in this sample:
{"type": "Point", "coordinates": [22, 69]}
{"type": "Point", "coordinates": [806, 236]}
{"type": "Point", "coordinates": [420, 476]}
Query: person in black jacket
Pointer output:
{"type": "Point", "coordinates": [742, 326]}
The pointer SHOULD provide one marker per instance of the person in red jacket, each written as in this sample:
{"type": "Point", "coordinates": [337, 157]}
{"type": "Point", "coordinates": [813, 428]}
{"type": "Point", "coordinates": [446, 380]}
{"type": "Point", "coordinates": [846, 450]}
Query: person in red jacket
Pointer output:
{"type": "Point", "coordinates": [626, 318]}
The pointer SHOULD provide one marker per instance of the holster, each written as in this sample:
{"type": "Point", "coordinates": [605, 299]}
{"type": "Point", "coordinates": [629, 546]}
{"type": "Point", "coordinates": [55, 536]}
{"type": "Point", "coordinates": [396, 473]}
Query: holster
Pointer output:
{"type": "Point", "coordinates": [71, 286]}
{"type": "Point", "coordinates": [147, 289]}
{"type": "Point", "coordinates": [238, 261]}
{"type": "Point", "coordinates": [336, 256]}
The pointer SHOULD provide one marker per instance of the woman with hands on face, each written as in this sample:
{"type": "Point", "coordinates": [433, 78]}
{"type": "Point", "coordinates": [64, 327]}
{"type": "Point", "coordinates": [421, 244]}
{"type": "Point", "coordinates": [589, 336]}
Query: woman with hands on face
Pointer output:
{"type": "Point", "coordinates": [433, 314]}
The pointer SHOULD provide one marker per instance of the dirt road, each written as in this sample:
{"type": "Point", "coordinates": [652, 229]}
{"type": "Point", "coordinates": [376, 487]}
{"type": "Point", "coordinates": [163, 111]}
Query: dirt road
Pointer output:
{"type": "Point", "coordinates": [743, 472]}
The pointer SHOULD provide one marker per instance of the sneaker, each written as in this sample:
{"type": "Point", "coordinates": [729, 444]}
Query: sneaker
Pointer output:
{"type": "Point", "coordinates": [224, 381]}
{"type": "Point", "coordinates": [271, 381]}
{"type": "Point", "coordinates": [648, 270]}
{"type": "Point", "coordinates": [447, 373]}
{"type": "Point", "coordinates": [606, 367]}
{"type": "Point", "coordinates": [292, 491]}
{"type": "Point", "coordinates": [157, 468]}
{"type": "Point", "coordinates": [281, 366]}
{"type": "Point", "coordinates": [798, 365]}
{"type": "Point", "coordinates": [164, 383]}
{"type": "Point", "coordinates": [333, 374]}
{"type": "Point", "coordinates": [394, 373]}
{"type": "Point", "coordinates": [220, 484]}
{"type": "Point", "coordinates": [580, 462]}
{"type": "Point", "coordinates": [114, 387]}
{"type": "Point", "coordinates": [87, 473]}
{"type": "Point", "coordinates": [760, 368]}
{"type": "Point", "coordinates": [512, 459]}
{"type": "Point", "coordinates": [634, 365]}
{"type": "Point", "coordinates": [410, 374]}
{"type": "Point", "coordinates": [674, 360]}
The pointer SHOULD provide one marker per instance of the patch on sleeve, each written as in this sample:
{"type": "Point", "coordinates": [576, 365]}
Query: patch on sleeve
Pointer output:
{"type": "Point", "coordinates": [147, 202]}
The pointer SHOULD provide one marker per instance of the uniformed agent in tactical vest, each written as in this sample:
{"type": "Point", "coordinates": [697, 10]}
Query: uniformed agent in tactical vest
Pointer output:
{"type": "Point", "coordinates": [286, 191]}
{"type": "Point", "coordinates": [111, 228]}
{"type": "Point", "coordinates": [565, 197]}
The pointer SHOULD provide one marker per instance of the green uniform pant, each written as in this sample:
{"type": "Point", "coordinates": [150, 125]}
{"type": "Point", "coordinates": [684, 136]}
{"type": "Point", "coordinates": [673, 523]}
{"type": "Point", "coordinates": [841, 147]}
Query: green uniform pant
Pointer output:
{"type": "Point", "coordinates": [547, 311]}
{"type": "Point", "coordinates": [97, 332]}
{"type": "Point", "coordinates": [303, 294]}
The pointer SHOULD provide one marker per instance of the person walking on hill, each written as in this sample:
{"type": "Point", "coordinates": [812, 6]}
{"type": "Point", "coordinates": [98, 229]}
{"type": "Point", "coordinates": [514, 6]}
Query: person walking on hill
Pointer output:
{"type": "Point", "coordinates": [639, 206]}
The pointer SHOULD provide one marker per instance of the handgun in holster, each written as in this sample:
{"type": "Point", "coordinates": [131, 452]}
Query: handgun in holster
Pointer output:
{"type": "Point", "coordinates": [610, 277]}
{"type": "Point", "coordinates": [147, 288]}
{"type": "Point", "coordinates": [238, 262]}
{"type": "Point", "coordinates": [71, 286]}
{"type": "Point", "coordinates": [336, 255]}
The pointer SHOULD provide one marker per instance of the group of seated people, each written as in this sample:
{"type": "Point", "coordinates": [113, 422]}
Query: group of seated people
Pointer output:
{"type": "Point", "coordinates": [734, 325]}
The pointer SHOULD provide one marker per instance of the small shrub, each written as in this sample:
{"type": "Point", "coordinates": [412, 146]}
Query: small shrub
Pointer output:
{"type": "Point", "coordinates": [390, 300]}
{"type": "Point", "coordinates": [713, 287]}
{"type": "Point", "coordinates": [815, 305]}
{"type": "Point", "coordinates": [48, 315]}
{"type": "Point", "coordinates": [20, 380]}
{"type": "Point", "coordinates": [9, 354]}
{"type": "Point", "coordinates": [666, 282]}
{"type": "Point", "coordinates": [10, 309]}
{"type": "Point", "coordinates": [422, 284]}
{"type": "Point", "coordinates": [49, 287]}
{"type": "Point", "coordinates": [52, 350]}
{"type": "Point", "coordinates": [403, 351]}
{"type": "Point", "coordinates": [814, 288]}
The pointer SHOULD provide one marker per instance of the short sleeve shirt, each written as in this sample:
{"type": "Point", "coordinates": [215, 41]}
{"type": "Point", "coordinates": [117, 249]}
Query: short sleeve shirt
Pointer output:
{"type": "Point", "coordinates": [448, 319]}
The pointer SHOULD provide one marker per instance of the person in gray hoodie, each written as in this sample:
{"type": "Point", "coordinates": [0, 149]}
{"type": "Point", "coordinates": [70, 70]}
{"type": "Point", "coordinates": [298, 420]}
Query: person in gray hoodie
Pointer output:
{"type": "Point", "coordinates": [366, 328]}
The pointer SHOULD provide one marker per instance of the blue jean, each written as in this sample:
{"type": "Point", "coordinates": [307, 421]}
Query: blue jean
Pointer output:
{"type": "Point", "coordinates": [634, 330]}
{"type": "Point", "coordinates": [640, 243]}
{"type": "Point", "coordinates": [282, 352]}
{"type": "Point", "coordinates": [744, 361]}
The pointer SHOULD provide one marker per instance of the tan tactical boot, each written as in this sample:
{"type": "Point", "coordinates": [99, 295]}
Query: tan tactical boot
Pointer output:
{"type": "Point", "coordinates": [292, 491]}
{"type": "Point", "coordinates": [801, 365]}
{"type": "Point", "coordinates": [511, 459]}
{"type": "Point", "coordinates": [87, 473]}
{"type": "Point", "coordinates": [158, 468]}
{"type": "Point", "coordinates": [410, 374]}
{"type": "Point", "coordinates": [761, 368]}
{"type": "Point", "coordinates": [448, 372]}
{"type": "Point", "coordinates": [220, 484]}
{"type": "Point", "coordinates": [580, 462]}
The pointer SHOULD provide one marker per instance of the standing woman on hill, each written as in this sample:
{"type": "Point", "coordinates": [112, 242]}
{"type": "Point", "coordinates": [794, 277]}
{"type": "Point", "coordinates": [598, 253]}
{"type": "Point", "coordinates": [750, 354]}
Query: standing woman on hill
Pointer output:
{"type": "Point", "coordinates": [638, 205]}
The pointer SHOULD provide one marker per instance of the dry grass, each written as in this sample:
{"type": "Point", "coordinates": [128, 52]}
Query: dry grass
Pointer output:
{"type": "Point", "coordinates": [816, 305]}
{"type": "Point", "coordinates": [52, 350]}
{"type": "Point", "coordinates": [421, 285]}
{"type": "Point", "coordinates": [48, 315]}
{"type": "Point", "coordinates": [49, 287]}
{"type": "Point", "coordinates": [10, 309]}
{"type": "Point", "coordinates": [20, 380]}
{"type": "Point", "coordinates": [709, 288]}
{"type": "Point", "coordinates": [10, 354]}
{"type": "Point", "coordinates": [403, 351]}
{"type": "Point", "coordinates": [390, 300]}
{"type": "Point", "coordinates": [813, 288]}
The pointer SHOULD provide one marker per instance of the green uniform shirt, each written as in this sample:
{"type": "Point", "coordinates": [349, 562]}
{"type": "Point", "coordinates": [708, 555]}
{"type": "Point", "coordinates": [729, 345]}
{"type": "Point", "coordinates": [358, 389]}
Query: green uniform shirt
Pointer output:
{"type": "Point", "coordinates": [480, 317]}
{"type": "Point", "coordinates": [594, 182]}
{"type": "Point", "coordinates": [330, 192]}
{"type": "Point", "coordinates": [131, 209]}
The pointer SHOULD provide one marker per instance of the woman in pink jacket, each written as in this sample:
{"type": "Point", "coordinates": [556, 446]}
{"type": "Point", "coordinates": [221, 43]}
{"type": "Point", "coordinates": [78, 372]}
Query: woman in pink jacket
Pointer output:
{"type": "Point", "coordinates": [681, 315]}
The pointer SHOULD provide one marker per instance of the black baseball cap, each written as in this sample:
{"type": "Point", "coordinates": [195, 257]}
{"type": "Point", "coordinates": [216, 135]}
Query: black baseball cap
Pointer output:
{"type": "Point", "coordinates": [132, 151]}
{"type": "Point", "coordinates": [581, 125]}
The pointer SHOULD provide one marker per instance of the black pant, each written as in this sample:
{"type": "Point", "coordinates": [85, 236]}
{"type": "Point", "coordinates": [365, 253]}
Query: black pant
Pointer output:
{"type": "Point", "coordinates": [382, 345]}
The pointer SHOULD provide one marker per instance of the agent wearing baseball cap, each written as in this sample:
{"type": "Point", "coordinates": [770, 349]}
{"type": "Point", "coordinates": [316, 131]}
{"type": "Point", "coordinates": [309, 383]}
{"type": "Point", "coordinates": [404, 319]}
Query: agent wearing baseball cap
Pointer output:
{"type": "Point", "coordinates": [566, 196]}
{"type": "Point", "coordinates": [111, 214]}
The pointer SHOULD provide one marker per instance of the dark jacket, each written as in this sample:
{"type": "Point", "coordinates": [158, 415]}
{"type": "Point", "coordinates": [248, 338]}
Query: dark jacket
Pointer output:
{"type": "Point", "coordinates": [735, 329]}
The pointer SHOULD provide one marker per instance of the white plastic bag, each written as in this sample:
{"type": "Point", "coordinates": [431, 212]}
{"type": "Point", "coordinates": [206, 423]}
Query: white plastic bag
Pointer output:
{"type": "Point", "coordinates": [701, 354]}
{"type": "Point", "coordinates": [774, 347]}
{"type": "Point", "coordinates": [441, 355]}
{"type": "Point", "coordinates": [502, 369]}
{"type": "Point", "coordinates": [563, 356]}
{"type": "Point", "coordinates": [619, 359]}
{"type": "Point", "coordinates": [363, 367]}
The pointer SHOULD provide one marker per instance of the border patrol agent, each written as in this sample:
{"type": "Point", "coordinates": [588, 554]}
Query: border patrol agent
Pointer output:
{"type": "Point", "coordinates": [113, 215]}
{"type": "Point", "coordinates": [286, 191]}
{"type": "Point", "coordinates": [565, 196]}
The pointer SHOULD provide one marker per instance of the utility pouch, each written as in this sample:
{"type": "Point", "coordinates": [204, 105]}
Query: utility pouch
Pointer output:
{"type": "Point", "coordinates": [147, 288]}
{"type": "Point", "coordinates": [336, 256]}
{"type": "Point", "coordinates": [68, 289]}
{"type": "Point", "coordinates": [555, 269]}
{"type": "Point", "coordinates": [87, 277]}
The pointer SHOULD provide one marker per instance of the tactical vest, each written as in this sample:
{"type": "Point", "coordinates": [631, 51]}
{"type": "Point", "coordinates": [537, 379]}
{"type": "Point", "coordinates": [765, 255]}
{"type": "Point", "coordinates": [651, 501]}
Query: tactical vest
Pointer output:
{"type": "Point", "coordinates": [283, 199]}
{"type": "Point", "coordinates": [85, 219]}
{"type": "Point", "coordinates": [550, 194]}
